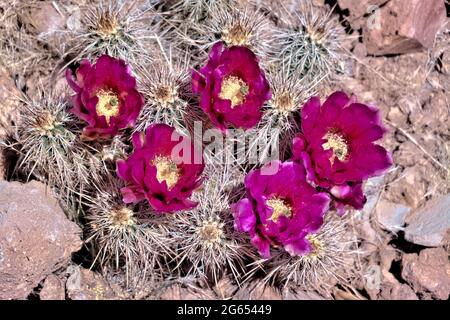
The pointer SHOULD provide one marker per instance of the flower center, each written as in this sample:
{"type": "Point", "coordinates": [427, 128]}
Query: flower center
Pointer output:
{"type": "Point", "coordinates": [235, 36]}
{"type": "Point", "coordinates": [338, 144]}
{"type": "Point", "coordinates": [166, 170]}
{"type": "Point", "coordinates": [211, 232]}
{"type": "Point", "coordinates": [165, 95]}
{"type": "Point", "coordinates": [233, 89]}
{"type": "Point", "coordinates": [122, 218]}
{"type": "Point", "coordinates": [279, 208]}
{"type": "Point", "coordinates": [284, 102]}
{"type": "Point", "coordinates": [317, 246]}
{"type": "Point", "coordinates": [107, 105]}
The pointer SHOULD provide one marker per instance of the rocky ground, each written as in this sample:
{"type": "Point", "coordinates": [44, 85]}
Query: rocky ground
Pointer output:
{"type": "Point", "coordinates": [404, 230]}
{"type": "Point", "coordinates": [404, 68]}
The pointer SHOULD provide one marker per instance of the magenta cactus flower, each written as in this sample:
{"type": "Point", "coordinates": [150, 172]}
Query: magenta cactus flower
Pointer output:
{"type": "Point", "coordinates": [164, 168]}
{"type": "Point", "coordinates": [280, 209]}
{"type": "Point", "coordinates": [338, 147]}
{"type": "Point", "coordinates": [106, 97]}
{"type": "Point", "coordinates": [232, 87]}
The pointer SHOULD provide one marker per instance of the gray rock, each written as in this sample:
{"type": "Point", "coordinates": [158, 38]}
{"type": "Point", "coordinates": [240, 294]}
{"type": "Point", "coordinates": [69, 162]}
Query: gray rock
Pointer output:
{"type": "Point", "coordinates": [391, 215]}
{"type": "Point", "coordinates": [429, 226]}
{"type": "Point", "coordinates": [36, 238]}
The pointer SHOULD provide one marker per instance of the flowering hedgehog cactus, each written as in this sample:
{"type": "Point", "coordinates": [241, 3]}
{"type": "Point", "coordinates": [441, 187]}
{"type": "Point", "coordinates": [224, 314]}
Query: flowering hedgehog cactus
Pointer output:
{"type": "Point", "coordinates": [124, 149]}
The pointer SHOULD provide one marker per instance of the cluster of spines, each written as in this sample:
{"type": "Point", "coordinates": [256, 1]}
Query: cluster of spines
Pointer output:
{"type": "Point", "coordinates": [310, 42]}
{"type": "Point", "coordinates": [165, 86]}
{"type": "Point", "coordinates": [331, 259]}
{"type": "Point", "coordinates": [207, 244]}
{"type": "Point", "coordinates": [126, 237]}
{"type": "Point", "coordinates": [121, 29]}
{"type": "Point", "coordinates": [46, 140]}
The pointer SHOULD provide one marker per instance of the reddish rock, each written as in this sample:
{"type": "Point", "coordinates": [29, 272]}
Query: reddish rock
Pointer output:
{"type": "Point", "coordinates": [390, 287]}
{"type": "Point", "coordinates": [430, 226]}
{"type": "Point", "coordinates": [9, 97]}
{"type": "Point", "coordinates": [428, 272]}
{"type": "Point", "coordinates": [84, 284]}
{"type": "Point", "coordinates": [396, 115]}
{"type": "Point", "coordinates": [8, 111]}
{"type": "Point", "coordinates": [44, 19]}
{"type": "Point", "coordinates": [404, 26]}
{"type": "Point", "coordinates": [397, 291]}
{"type": "Point", "coordinates": [360, 50]}
{"type": "Point", "coordinates": [52, 289]}
{"type": "Point", "coordinates": [36, 238]}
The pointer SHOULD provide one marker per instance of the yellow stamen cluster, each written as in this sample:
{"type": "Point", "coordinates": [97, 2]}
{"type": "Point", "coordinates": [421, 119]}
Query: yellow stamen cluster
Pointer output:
{"type": "Point", "coordinates": [280, 208]}
{"type": "Point", "coordinates": [166, 170]}
{"type": "Point", "coordinates": [233, 89]}
{"type": "Point", "coordinates": [236, 35]}
{"type": "Point", "coordinates": [338, 144]}
{"type": "Point", "coordinates": [317, 247]}
{"type": "Point", "coordinates": [107, 105]}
